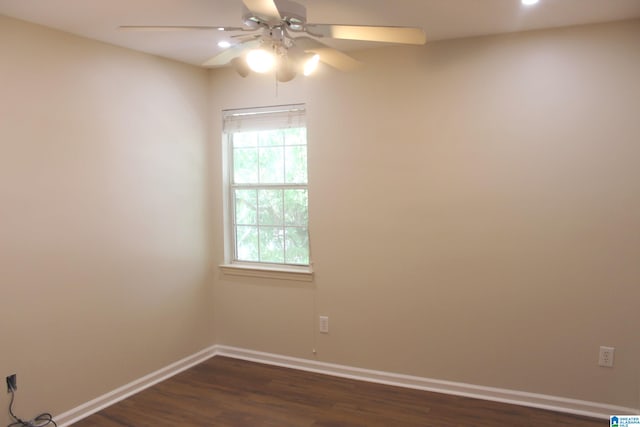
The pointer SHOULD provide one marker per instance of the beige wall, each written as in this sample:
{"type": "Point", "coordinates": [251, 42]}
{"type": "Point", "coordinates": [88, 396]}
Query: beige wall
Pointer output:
{"type": "Point", "coordinates": [474, 212]}
{"type": "Point", "coordinates": [104, 245]}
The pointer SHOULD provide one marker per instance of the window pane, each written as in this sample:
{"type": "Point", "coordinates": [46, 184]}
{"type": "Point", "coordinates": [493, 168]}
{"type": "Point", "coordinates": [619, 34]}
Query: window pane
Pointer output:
{"type": "Point", "coordinates": [270, 207]}
{"type": "Point", "coordinates": [271, 244]}
{"type": "Point", "coordinates": [295, 136]}
{"type": "Point", "coordinates": [268, 185]}
{"type": "Point", "coordinates": [295, 207]}
{"type": "Point", "coordinates": [271, 138]}
{"type": "Point", "coordinates": [245, 139]}
{"type": "Point", "coordinates": [272, 165]}
{"type": "Point", "coordinates": [296, 164]}
{"type": "Point", "coordinates": [247, 243]}
{"type": "Point", "coordinates": [246, 207]}
{"type": "Point", "coordinates": [245, 165]}
{"type": "Point", "coordinates": [297, 244]}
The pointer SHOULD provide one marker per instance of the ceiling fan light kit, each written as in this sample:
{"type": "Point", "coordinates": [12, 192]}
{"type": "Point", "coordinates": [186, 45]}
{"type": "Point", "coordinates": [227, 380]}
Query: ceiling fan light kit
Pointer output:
{"type": "Point", "coordinates": [287, 60]}
{"type": "Point", "coordinates": [280, 39]}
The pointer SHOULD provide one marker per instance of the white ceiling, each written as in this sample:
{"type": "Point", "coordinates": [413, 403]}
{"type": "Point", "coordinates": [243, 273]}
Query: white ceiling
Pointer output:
{"type": "Point", "coordinates": [441, 19]}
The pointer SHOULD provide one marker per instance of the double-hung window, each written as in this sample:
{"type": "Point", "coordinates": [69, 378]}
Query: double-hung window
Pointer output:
{"type": "Point", "coordinates": [267, 193]}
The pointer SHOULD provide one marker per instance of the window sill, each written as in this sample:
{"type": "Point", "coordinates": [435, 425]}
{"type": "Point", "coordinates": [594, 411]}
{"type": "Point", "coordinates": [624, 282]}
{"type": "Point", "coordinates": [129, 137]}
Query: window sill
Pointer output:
{"type": "Point", "coordinates": [299, 274]}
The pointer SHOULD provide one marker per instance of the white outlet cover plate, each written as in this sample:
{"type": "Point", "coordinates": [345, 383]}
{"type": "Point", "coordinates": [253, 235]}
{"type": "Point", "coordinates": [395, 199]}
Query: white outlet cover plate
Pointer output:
{"type": "Point", "coordinates": [606, 356]}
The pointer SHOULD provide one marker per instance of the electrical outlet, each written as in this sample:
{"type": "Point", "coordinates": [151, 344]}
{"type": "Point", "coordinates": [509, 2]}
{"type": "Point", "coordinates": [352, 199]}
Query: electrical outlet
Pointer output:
{"type": "Point", "coordinates": [324, 324]}
{"type": "Point", "coordinates": [12, 383]}
{"type": "Point", "coordinates": [606, 357]}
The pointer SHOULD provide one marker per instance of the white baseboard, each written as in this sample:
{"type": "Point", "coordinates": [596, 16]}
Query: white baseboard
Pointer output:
{"type": "Point", "coordinates": [108, 399]}
{"type": "Point", "coordinates": [534, 400]}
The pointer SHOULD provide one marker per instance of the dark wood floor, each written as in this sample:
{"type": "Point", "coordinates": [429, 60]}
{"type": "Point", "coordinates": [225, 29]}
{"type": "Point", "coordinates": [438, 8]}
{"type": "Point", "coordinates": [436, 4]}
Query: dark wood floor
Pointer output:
{"type": "Point", "coordinates": [228, 392]}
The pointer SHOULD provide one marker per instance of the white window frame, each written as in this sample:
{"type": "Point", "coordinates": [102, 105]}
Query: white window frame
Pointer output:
{"type": "Point", "coordinates": [235, 120]}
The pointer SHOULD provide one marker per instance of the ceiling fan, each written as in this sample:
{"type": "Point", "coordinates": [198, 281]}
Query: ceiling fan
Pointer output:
{"type": "Point", "coordinates": [276, 35]}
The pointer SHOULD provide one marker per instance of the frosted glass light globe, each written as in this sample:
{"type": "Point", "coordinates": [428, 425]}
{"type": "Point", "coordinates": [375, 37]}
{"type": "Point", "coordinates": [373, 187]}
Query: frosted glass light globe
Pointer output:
{"type": "Point", "coordinates": [311, 65]}
{"type": "Point", "coordinates": [260, 61]}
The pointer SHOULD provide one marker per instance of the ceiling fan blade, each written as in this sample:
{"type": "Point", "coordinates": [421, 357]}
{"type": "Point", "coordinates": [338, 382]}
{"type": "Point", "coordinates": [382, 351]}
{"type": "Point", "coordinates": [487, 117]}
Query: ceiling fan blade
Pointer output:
{"type": "Point", "coordinates": [177, 28]}
{"type": "Point", "coordinates": [328, 55]}
{"type": "Point", "coordinates": [245, 37]}
{"type": "Point", "coordinates": [404, 35]}
{"type": "Point", "coordinates": [224, 57]}
{"type": "Point", "coordinates": [264, 9]}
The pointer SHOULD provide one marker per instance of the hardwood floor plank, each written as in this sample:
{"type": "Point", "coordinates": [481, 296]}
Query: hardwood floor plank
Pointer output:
{"type": "Point", "coordinates": [225, 392]}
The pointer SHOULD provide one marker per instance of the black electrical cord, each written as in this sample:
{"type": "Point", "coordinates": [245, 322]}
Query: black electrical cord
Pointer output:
{"type": "Point", "coordinates": [41, 420]}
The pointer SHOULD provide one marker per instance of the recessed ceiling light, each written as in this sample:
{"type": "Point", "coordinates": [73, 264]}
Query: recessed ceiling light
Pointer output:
{"type": "Point", "coordinates": [529, 2]}
{"type": "Point", "coordinates": [224, 44]}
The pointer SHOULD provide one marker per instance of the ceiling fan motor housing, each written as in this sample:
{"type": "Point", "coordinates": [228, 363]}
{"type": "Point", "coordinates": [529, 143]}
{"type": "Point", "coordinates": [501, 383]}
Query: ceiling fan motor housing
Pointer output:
{"type": "Point", "coordinates": [293, 15]}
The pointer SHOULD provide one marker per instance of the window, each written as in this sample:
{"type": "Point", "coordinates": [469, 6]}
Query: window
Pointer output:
{"type": "Point", "coordinates": [267, 191]}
